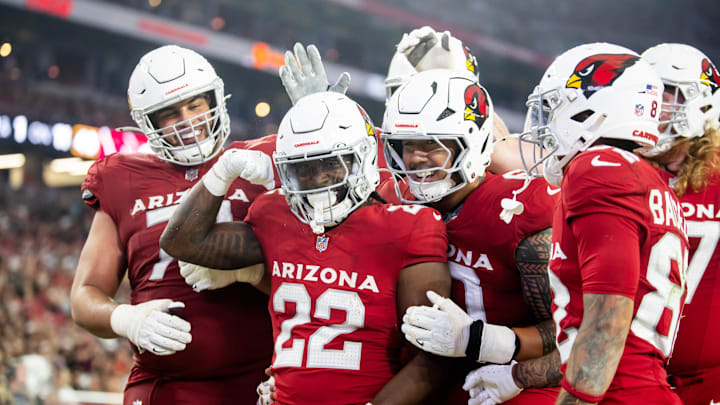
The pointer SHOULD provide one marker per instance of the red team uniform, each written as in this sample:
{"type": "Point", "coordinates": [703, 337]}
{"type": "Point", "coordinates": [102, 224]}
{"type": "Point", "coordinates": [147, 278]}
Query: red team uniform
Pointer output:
{"type": "Point", "coordinates": [481, 257]}
{"type": "Point", "coordinates": [695, 364]}
{"type": "Point", "coordinates": [231, 332]}
{"type": "Point", "coordinates": [625, 192]}
{"type": "Point", "coordinates": [333, 301]}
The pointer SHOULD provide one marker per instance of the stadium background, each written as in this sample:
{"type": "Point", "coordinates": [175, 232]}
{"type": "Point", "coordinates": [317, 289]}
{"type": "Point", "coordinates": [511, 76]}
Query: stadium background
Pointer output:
{"type": "Point", "coordinates": [64, 67]}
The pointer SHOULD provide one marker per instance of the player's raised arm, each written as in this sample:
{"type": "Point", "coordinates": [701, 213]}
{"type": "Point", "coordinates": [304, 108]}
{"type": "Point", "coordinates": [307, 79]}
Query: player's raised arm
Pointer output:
{"type": "Point", "coordinates": [192, 234]}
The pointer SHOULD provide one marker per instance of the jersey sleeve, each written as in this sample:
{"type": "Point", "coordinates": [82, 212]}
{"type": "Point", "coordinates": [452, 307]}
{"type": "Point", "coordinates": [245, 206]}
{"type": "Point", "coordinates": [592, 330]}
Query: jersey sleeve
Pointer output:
{"type": "Point", "coordinates": [600, 237]}
{"type": "Point", "coordinates": [101, 184]}
{"type": "Point", "coordinates": [427, 242]}
{"type": "Point", "coordinates": [539, 201]}
{"type": "Point", "coordinates": [92, 186]}
{"type": "Point", "coordinates": [589, 188]}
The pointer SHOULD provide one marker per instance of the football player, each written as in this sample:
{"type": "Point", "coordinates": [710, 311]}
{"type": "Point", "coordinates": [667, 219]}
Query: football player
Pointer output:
{"type": "Point", "coordinates": [424, 49]}
{"type": "Point", "coordinates": [438, 142]}
{"type": "Point", "coordinates": [687, 157]}
{"type": "Point", "coordinates": [343, 267]}
{"type": "Point", "coordinates": [619, 250]}
{"type": "Point", "coordinates": [471, 149]}
{"type": "Point", "coordinates": [189, 348]}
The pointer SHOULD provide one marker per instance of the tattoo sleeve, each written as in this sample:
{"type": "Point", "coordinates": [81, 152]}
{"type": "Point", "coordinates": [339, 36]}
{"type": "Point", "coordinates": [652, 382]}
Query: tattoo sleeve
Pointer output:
{"type": "Point", "coordinates": [540, 372]}
{"type": "Point", "coordinates": [532, 256]}
{"type": "Point", "coordinates": [599, 343]}
{"type": "Point", "coordinates": [193, 236]}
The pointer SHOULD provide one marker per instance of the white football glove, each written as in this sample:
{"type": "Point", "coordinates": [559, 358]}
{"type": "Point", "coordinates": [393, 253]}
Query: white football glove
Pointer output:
{"type": "Point", "coordinates": [491, 384]}
{"type": "Point", "coordinates": [310, 76]}
{"type": "Point", "coordinates": [266, 391]}
{"type": "Point", "coordinates": [426, 49]}
{"type": "Point", "coordinates": [202, 278]}
{"type": "Point", "coordinates": [150, 327]}
{"type": "Point", "coordinates": [252, 165]}
{"type": "Point", "coordinates": [444, 329]}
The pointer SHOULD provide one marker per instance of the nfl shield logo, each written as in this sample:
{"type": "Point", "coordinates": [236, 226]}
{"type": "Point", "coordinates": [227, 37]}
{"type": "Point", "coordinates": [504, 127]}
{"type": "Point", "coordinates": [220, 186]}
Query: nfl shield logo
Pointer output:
{"type": "Point", "coordinates": [191, 174]}
{"type": "Point", "coordinates": [639, 110]}
{"type": "Point", "coordinates": [322, 243]}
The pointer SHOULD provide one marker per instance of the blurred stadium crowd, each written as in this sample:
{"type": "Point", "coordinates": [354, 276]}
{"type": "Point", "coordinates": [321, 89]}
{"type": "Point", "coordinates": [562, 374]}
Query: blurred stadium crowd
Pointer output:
{"type": "Point", "coordinates": [42, 353]}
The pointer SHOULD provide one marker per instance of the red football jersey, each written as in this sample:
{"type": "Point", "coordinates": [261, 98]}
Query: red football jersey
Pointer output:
{"type": "Point", "coordinates": [481, 252]}
{"type": "Point", "coordinates": [695, 349]}
{"type": "Point", "coordinates": [482, 247]}
{"type": "Point", "coordinates": [605, 180]}
{"type": "Point", "coordinates": [140, 193]}
{"type": "Point", "coordinates": [333, 301]}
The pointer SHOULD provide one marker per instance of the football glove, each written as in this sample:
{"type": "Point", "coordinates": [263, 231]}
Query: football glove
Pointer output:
{"type": "Point", "coordinates": [310, 76]}
{"type": "Point", "coordinates": [266, 391]}
{"type": "Point", "coordinates": [426, 49]}
{"type": "Point", "coordinates": [202, 278]}
{"type": "Point", "coordinates": [446, 330]}
{"type": "Point", "coordinates": [150, 327]}
{"type": "Point", "coordinates": [252, 165]}
{"type": "Point", "coordinates": [491, 384]}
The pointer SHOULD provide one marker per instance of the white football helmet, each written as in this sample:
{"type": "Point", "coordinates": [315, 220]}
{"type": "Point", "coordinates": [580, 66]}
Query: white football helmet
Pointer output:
{"type": "Point", "coordinates": [434, 106]}
{"type": "Point", "coordinates": [424, 49]}
{"type": "Point", "coordinates": [326, 134]}
{"type": "Point", "coordinates": [168, 75]}
{"type": "Point", "coordinates": [592, 91]}
{"type": "Point", "coordinates": [695, 80]}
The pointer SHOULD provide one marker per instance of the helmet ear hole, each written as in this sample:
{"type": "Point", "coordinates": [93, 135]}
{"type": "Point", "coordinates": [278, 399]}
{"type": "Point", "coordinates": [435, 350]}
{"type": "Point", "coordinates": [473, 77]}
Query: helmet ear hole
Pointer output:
{"type": "Point", "coordinates": [582, 115]}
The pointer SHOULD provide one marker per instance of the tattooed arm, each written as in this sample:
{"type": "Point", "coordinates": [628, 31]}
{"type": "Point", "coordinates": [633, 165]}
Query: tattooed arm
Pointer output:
{"type": "Point", "coordinates": [598, 346]}
{"type": "Point", "coordinates": [531, 256]}
{"type": "Point", "coordinates": [193, 236]}
{"type": "Point", "coordinates": [540, 372]}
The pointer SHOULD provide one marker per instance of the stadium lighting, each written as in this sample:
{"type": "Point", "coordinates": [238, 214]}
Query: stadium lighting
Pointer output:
{"type": "Point", "coordinates": [54, 71]}
{"type": "Point", "coordinates": [73, 165]}
{"type": "Point", "coordinates": [12, 161]}
{"type": "Point", "coordinates": [217, 23]}
{"type": "Point", "coordinates": [262, 109]}
{"type": "Point", "coordinates": [5, 49]}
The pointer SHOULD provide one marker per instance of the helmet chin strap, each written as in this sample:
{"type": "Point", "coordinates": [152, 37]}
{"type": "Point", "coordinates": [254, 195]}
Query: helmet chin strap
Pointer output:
{"type": "Point", "coordinates": [431, 191]}
{"type": "Point", "coordinates": [326, 210]}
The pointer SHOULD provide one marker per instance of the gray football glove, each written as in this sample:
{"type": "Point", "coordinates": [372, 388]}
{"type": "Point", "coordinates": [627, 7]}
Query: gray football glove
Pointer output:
{"type": "Point", "coordinates": [310, 76]}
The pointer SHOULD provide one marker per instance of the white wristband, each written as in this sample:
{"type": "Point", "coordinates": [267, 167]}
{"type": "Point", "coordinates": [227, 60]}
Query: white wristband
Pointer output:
{"type": "Point", "coordinates": [119, 319]}
{"type": "Point", "coordinates": [498, 344]}
{"type": "Point", "coordinates": [215, 184]}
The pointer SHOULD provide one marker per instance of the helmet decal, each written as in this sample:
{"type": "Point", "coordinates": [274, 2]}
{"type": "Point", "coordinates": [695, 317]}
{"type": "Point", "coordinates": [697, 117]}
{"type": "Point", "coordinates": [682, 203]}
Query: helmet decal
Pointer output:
{"type": "Point", "coordinates": [710, 75]}
{"type": "Point", "coordinates": [470, 60]}
{"type": "Point", "coordinates": [476, 104]}
{"type": "Point", "coordinates": [369, 127]}
{"type": "Point", "coordinates": [598, 71]}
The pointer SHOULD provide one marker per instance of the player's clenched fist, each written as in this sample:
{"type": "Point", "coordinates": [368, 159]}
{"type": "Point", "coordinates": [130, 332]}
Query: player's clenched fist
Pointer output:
{"type": "Point", "coordinates": [150, 327]}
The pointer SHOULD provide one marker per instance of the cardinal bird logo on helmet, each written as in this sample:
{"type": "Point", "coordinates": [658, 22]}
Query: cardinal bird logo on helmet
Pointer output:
{"type": "Point", "coordinates": [470, 60]}
{"type": "Point", "coordinates": [598, 71]}
{"type": "Point", "coordinates": [369, 127]}
{"type": "Point", "coordinates": [476, 104]}
{"type": "Point", "coordinates": [710, 74]}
